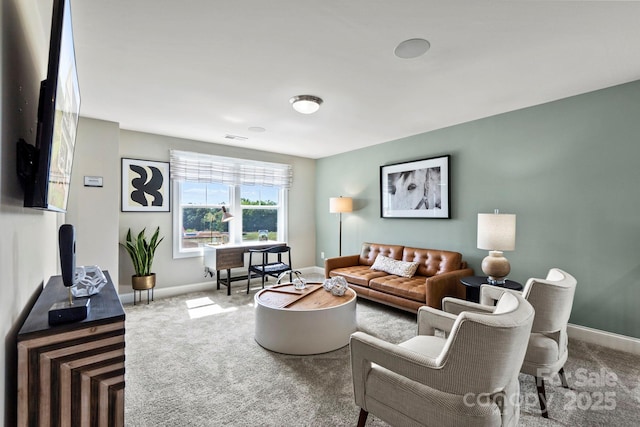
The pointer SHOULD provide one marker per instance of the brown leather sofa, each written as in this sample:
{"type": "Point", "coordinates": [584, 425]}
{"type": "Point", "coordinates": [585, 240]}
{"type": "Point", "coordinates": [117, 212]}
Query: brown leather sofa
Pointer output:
{"type": "Point", "coordinates": [438, 275]}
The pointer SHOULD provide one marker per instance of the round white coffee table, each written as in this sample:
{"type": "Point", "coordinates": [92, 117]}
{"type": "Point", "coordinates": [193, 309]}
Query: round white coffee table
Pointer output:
{"type": "Point", "coordinates": [307, 321]}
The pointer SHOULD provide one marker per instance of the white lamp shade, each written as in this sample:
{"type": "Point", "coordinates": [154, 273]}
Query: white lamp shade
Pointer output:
{"type": "Point", "coordinates": [340, 204]}
{"type": "Point", "coordinates": [496, 232]}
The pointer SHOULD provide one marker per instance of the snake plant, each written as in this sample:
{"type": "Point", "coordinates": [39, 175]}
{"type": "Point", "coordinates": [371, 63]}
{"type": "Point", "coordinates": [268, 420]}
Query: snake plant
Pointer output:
{"type": "Point", "coordinates": [142, 251]}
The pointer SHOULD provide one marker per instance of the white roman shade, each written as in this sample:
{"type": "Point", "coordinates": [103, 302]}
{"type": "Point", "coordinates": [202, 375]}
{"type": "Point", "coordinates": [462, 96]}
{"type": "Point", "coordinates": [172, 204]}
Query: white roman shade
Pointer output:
{"type": "Point", "coordinates": [198, 167]}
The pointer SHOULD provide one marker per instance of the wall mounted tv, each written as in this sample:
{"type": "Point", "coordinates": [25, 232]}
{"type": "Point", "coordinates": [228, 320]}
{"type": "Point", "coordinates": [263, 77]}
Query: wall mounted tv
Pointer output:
{"type": "Point", "coordinates": [48, 180]}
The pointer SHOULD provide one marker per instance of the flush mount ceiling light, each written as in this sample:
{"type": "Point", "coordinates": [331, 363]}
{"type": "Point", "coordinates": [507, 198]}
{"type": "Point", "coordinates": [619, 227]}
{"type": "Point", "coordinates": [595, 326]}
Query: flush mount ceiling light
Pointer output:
{"type": "Point", "coordinates": [306, 104]}
{"type": "Point", "coordinates": [412, 48]}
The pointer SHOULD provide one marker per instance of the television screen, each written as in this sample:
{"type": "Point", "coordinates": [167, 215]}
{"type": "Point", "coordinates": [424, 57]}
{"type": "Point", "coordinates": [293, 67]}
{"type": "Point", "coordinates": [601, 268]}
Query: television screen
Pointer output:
{"type": "Point", "coordinates": [58, 113]}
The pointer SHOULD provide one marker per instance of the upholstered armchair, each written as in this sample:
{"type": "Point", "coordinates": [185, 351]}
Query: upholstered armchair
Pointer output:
{"type": "Point", "coordinates": [552, 299]}
{"type": "Point", "coordinates": [467, 374]}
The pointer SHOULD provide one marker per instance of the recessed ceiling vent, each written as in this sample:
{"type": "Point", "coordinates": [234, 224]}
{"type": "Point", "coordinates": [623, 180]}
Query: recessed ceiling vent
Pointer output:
{"type": "Point", "coordinates": [235, 137]}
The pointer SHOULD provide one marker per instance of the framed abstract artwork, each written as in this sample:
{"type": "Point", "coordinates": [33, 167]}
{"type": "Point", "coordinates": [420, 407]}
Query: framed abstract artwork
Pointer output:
{"type": "Point", "coordinates": [145, 186]}
{"type": "Point", "coordinates": [416, 189]}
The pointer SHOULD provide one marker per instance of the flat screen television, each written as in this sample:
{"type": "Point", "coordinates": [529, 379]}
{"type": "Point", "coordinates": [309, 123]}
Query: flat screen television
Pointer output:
{"type": "Point", "coordinates": [47, 183]}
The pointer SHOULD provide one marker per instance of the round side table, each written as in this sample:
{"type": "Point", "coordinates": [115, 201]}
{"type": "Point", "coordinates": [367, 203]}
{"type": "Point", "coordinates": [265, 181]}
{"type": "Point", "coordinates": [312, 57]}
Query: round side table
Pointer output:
{"type": "Point", "coordinates": [473, 283]}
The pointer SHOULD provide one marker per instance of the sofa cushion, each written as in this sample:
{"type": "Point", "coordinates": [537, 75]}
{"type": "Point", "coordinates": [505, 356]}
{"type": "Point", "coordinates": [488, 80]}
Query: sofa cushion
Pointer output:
{"type": "Point", "coordinates": [357, 274]}
{"type": "Point", "coordinates": [433, 261]}
{"type": "Point", "coordinates": [413, 288]}
{"type": "Point", "coordinates": [393, 266]}
{"type": "Point", "coordinates": [370, 251]}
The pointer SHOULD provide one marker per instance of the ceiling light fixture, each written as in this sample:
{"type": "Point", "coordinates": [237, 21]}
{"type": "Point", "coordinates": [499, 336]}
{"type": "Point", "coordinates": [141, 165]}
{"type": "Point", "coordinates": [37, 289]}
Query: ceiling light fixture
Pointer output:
{"type": "Point", "coordinates": [306, 104]}
{"type": "Point", "coordinates": [412, 48]}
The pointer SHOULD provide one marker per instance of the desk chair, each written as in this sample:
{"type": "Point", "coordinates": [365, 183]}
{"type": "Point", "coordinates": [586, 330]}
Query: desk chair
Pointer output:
{"type": "Point", "coordinates": [264, 264]}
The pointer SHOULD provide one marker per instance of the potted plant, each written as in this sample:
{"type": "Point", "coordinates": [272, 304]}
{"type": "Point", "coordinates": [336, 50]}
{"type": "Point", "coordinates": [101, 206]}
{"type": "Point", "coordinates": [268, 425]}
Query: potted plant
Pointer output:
{"type": "Point", "coordinates": [141, 252]}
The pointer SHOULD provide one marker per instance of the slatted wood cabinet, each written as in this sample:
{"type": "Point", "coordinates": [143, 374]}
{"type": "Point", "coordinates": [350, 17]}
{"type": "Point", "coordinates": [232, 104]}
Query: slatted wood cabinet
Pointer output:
{"type": "Point", "coordinates": [72, 374]}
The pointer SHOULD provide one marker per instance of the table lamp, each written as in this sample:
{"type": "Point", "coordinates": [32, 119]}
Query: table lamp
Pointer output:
{"type": "Point", "coordinates": [339, 205]}
{"type": "Point", "coordinates": [496, 233]}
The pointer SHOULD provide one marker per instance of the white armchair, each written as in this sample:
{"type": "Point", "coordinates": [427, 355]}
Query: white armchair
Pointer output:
{"type": "Point", "coordinates": [552, 299]}
{"type": "Point", "coordinates": [469, 377]}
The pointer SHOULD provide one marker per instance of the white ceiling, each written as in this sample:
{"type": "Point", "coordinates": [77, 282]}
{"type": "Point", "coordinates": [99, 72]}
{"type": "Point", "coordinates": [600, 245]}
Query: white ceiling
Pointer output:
{"type": "Point", "coordinates": [202, 69]}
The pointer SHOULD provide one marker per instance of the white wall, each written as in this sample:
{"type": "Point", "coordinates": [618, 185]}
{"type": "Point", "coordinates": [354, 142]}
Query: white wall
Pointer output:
{"type": "Point", "coordinates": [176, 272]}
{"type": "Point", "coordinates": [94, 211]}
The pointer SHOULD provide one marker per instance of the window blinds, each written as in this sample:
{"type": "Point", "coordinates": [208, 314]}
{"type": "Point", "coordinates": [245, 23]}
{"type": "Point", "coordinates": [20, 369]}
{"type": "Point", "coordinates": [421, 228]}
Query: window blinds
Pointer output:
{"type": "Point", "coordinates": [198, 167]}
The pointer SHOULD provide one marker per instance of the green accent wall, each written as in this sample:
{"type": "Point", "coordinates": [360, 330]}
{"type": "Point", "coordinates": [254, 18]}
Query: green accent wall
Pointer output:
{"type": "Point", "coordinates": [568, 169]}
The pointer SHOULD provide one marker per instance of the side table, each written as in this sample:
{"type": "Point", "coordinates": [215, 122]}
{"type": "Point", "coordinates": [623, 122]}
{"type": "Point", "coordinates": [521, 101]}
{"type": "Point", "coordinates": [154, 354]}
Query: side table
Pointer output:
{"type": "Point", "coordinates": [473, 283]}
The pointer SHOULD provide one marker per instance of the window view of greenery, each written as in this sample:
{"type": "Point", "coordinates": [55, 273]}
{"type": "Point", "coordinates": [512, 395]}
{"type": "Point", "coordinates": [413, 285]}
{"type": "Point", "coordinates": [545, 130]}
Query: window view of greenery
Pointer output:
{"type": "Point", "coordinates": [201, 210]}
{"type": "Point", "coordinates": [201, 206]}
{"type": "Point", "coordinates": [259, 212]}
{"type": "Point", "coordinates": [203, 225]}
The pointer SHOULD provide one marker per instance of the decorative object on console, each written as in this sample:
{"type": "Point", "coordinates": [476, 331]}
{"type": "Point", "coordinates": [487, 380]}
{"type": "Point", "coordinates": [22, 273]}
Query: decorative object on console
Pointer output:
{"type": "Point", "coordinates": [89, 280]}
{"type": "Point", "coordinates": [68, 310]}
{"type": "Point", "coordinates": [339, 205]}
{"type": "Point", "coordinates": [145, 186]}
{"type": "Point", "coordinates": [263, 235]}
{"type": "Point", "coordinates": [496, 233]}
{"type": "Point", "coordinates": [142, 252]}
{"type": "Point", "coordinates": [416, 189]}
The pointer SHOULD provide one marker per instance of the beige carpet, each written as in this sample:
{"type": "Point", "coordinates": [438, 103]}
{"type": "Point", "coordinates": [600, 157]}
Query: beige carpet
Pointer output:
{"type": "Point", "coordinates": [192, 361]}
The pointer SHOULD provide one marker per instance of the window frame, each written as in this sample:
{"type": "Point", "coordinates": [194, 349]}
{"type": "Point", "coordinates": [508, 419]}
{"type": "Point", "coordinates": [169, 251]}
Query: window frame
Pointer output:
{"type": "Point", "coordinates": [235, 226]}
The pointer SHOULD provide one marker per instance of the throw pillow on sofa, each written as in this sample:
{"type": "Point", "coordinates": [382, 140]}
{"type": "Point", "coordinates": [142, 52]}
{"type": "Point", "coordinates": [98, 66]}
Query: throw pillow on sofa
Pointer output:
{"type": "Point", "coordinates": [393, 266]}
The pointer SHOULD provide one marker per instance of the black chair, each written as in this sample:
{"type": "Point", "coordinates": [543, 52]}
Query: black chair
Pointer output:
{"type": "Point", "coordinates": [265, 265]}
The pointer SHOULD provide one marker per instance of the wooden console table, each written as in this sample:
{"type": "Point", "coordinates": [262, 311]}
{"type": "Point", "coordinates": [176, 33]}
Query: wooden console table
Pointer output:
{"type": "Point", "coordinates": [72, 374]}
{"type": "Point", "coordinates": [228, 256]}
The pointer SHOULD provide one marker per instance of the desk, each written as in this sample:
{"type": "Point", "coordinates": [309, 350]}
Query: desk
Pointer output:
{"type": "Point", "coordinates": [473, 286]}
{"type": "Point", "coordinates": [231, 255]}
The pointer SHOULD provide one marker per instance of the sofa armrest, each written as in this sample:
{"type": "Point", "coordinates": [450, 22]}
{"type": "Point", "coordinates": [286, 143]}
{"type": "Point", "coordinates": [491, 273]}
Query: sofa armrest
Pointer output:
{"type": "Point", "coordinates": [340, 262]}
{"type": "Point", "coordinates": [445, 285]}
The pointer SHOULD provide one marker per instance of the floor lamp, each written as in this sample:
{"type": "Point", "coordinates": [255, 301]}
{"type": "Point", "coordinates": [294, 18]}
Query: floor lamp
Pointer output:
{"type": "Point", "coordinates": [339, 205]}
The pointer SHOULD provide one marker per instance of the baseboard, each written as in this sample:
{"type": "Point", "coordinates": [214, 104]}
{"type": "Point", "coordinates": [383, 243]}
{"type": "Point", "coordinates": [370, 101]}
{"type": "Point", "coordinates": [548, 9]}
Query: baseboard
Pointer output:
{"type": "Point", "coordinates": [170, 291]}
{"type": "Point", "coordinates": [196, 287]}
{"type": "Point", "coordinates": [577, 332]}
{"type": "Point", "coordinates": [604, 338]}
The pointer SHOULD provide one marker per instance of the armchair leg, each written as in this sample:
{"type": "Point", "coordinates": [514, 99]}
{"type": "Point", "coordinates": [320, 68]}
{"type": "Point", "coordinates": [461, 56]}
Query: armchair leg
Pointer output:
{"type": "Point", "coordinates": [563, 378]}
{"type": "Point", "coordinates": [362, 419]}
{"type": "Point", "coordinates": [542, 397]}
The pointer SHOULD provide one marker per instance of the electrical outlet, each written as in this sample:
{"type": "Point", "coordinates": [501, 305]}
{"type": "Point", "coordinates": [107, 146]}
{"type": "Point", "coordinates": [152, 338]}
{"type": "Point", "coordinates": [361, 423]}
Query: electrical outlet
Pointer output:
{"type": "Point", "coordinates": [322, 255]}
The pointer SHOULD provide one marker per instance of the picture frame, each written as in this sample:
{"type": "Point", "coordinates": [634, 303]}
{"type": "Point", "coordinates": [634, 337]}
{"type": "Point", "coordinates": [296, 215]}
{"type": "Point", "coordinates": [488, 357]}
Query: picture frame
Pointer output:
{"type": "Point", "coordinates": [145, 186]}
{"type": "Point", "coordinates": [416, 189]}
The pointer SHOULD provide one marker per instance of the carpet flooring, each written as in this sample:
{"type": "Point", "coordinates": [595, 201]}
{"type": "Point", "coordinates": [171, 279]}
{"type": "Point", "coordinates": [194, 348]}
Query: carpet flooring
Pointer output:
{"type": "Point", "coordinates": [191, 360]}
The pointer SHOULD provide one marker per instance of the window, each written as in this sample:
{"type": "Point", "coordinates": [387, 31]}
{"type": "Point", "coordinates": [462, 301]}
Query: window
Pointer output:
{"type": "Point", "coordinates": [255, 193]}
{"type": "Point", "coordinates": [260, 207]}
{"type": "Point", "coordinates": [199, 215]}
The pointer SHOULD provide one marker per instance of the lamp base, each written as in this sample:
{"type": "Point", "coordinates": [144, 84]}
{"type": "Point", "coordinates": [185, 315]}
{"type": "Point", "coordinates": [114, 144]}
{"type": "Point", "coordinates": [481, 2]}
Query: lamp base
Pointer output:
{"type": "Point", "coordinates": [496, 267]}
